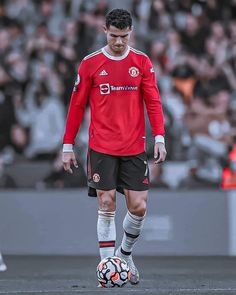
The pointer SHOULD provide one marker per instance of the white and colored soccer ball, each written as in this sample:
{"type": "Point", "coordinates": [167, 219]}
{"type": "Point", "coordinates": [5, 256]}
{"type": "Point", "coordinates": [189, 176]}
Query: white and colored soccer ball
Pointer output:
{"type": "Point", "coordinates": [113, 272]}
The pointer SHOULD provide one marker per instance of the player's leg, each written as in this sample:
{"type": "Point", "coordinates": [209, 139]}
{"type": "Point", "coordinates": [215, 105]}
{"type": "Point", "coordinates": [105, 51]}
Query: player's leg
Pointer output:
{"type": "Point", "coordinates": [106, 229]}
{"type": "Point", "coordinates": [132, 225]}
{"type": "Point", "coordinates": [135, 179]}
{"type": "Point", "coordinates": [3, 266]}
{"type": "Point", "coordinates": [102, 176]}
{"type": "Point", "coordinates": [133, 222]}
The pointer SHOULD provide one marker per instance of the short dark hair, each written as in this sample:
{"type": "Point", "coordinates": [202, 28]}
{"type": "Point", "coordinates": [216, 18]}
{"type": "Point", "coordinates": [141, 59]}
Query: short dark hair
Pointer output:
{"type": "Point", "coordinates": [119, 18]}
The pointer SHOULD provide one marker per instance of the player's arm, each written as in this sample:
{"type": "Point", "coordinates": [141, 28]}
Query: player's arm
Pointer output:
{"type": "Point", "coordinates": [154, 110]}
{"type": "Point", "coordinates": [159, 151]}
{"type": "Point", "coordinates": [75, 116]}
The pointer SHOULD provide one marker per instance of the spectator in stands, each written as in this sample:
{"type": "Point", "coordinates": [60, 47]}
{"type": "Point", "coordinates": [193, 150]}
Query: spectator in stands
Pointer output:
{"type": "Point", "coordinates": [5, 20]}
{"type": "Point", "coordinates": [42, 45]}
{"type": "Point", "coordinates": [159, 19]}
{"type": "Point", "coordinates": [194, 35]}
{"type": "Point", "coordinates": [44, 116]}
{"type": "Point", "coordinates": [23, 11]}
{"type": "Point", "coordinates": [7, 120]}
{"type": "Point", "coordinates": [208, 123]}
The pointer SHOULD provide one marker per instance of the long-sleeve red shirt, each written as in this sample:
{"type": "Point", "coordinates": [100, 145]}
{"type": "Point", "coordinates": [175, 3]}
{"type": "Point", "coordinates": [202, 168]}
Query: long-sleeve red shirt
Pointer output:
{"type": "Point", "coordinates": [117, 89]}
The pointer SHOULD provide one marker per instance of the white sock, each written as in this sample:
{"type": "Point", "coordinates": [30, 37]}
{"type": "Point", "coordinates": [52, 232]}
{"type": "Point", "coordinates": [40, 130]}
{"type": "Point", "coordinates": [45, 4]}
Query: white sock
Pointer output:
{"type": "Point", "coordinates": [106, 231]}
{"type": "Point", "coordinates": [132, 226]}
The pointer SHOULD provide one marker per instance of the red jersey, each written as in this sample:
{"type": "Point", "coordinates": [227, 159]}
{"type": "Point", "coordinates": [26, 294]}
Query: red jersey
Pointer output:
{"type": "Point", "coordinates": [117, 89]}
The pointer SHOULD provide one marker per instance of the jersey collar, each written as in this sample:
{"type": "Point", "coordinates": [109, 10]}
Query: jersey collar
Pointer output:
{"type": "Point", "coordinates": [116, 57]}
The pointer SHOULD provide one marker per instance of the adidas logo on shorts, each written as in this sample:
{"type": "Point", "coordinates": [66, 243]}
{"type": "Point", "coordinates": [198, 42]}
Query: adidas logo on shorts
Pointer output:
{"type": "Point", "coordinates": [145, 181]}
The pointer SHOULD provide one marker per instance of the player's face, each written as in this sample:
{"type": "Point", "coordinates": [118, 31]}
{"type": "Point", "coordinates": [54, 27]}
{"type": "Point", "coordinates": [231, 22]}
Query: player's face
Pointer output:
{"type": "Point", "coordinates": [117, 39]}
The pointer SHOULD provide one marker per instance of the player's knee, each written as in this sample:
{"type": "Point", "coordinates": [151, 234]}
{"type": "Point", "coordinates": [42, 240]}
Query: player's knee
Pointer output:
{"type": "Point", "coordinates": [139, 209]}
{"type": "Point", "coordinates": [106, 200]}
{"type": "Point", "coordinates": [107, 204]}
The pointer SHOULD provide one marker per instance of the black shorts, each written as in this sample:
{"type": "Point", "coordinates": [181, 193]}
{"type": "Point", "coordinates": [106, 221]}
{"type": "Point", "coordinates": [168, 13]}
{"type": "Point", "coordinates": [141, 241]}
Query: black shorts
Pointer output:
{"type": "Point", "coordinates": [106, 172]}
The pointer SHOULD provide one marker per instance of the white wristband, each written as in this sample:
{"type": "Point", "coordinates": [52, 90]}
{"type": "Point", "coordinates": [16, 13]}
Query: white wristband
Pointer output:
{"type": "Point", "coordinates": [159, 138]}
{"type": "Point", "coordinates": [67, 147]}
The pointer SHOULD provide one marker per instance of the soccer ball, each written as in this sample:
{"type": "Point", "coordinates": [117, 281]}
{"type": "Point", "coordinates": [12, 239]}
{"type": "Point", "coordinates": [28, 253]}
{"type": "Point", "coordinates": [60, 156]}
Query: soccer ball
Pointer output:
{"type": "Point", "coordinates": [113, 272]}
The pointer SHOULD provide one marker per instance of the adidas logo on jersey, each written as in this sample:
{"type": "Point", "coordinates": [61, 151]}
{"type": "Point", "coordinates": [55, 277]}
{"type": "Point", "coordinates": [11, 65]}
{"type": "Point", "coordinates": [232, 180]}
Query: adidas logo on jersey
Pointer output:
{"type": "Point", "coordinates": [103, 73]}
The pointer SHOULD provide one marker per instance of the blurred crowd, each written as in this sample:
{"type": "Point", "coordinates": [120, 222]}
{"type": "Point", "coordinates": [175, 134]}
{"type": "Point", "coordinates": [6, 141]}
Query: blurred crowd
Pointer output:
{"type": "Point", "coordinates": [192, 45]}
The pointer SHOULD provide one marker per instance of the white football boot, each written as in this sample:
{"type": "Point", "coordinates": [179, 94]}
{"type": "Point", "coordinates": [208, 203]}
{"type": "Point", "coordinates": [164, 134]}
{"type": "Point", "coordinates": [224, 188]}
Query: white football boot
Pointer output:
{"type": "Point", "coordinates": [134, 278]}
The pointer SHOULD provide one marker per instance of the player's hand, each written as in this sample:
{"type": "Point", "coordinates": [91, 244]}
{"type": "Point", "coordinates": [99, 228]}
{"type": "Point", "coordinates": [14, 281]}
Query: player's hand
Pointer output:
{"type": "Point", "coordinates": [159, 152]}
{"type": "Point", "coordinates": [68, 159]}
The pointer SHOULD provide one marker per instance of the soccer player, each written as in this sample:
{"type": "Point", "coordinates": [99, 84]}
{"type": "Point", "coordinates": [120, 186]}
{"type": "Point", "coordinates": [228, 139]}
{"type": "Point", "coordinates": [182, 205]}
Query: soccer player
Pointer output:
{"type": "Point", "coordinates": [117, 81]}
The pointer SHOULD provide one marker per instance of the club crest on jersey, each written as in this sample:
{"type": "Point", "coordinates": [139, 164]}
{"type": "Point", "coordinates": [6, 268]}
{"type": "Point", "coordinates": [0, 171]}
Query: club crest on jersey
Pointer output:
{"type": "Point", "coordinates": [96, 177]}
{"type": "Point", "coordinates": [134, 72]}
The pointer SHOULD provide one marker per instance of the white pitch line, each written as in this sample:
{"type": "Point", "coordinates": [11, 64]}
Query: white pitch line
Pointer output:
{"type": "Point", "coordinates": [205, 290]}
{"type": "Point", "coordinates": [123, 290]}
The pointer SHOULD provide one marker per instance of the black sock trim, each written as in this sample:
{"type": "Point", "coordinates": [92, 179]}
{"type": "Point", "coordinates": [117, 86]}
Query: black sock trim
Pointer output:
{"type": "Point", "coordinates": [124, 252]}
{"type": "Point", "coordinates": [131, 236]}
